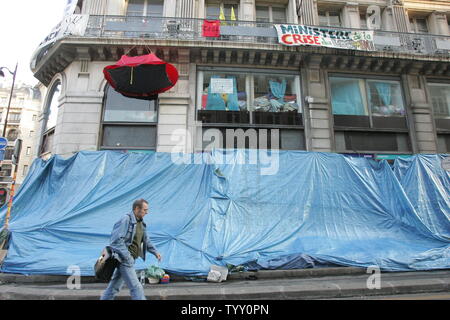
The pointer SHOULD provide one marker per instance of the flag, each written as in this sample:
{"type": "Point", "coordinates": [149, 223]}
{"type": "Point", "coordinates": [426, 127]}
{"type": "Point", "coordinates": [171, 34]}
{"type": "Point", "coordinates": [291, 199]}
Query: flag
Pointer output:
{"type": "Point", "coordinates": [233, 17]}
{"type": "Point", "coordinates": [221, 15]}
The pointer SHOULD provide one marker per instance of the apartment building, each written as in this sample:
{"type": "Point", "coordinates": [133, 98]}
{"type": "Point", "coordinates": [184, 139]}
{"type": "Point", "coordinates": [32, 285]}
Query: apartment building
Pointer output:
{"type": "Point", "coordinates": [22, 124]}
{"type": "Point", "coordinates": [390, 100]}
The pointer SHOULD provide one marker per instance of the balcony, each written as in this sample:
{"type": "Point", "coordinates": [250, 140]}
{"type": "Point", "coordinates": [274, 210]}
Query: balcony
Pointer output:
{"type": "Point", "coordinates": [248, 43]}
{"type": "Point", "coordinates": [115, 27]}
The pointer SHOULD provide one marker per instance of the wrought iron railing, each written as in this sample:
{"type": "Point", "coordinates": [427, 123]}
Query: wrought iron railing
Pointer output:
{"type": "Point", "coordinates": [247, 31]}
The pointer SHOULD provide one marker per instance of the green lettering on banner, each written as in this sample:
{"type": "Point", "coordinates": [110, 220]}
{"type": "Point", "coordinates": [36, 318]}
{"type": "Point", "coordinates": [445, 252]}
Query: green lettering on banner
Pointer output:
{"type": "Point", "coordinates": [302, 30]}
{"type": "Point", "coordinates": [391, 156]}
{"type": "Point", "coordinates": [285, 29]}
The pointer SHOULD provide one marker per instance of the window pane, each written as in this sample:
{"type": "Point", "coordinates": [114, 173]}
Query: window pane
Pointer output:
{"type": "Point", "coordinates": [422, 25]}
{"type": "Point", "coordinates": [323, 19]}
{"type": "Point", "coordinates": [334, 19]}
{"type": "Point", "coordinates": [274, 93]}
{"type": "Point", "coordinates": [227, 11]}
{"type": "Point", "coordinates": [385, 98]}
{"type": "Point", "coordinates": [363, 21]}
{"type": "Point", "coordinates": [129, 136]}
{"type": "Point", "coordinates": [135, 7]}
{"type": "Point", "coordinates": [122, 109]}
{"type": "Point", "coordinates": [212, 11]}
{"type": "Point", "coordinates": [224, 91]}
{"type": "Point", "coordinates": [53, 107]}
{"type": "Point", "coordinates": [440, 96]}
{"type": "Point", "coordinates": [279, 15]}
{"type": "Point", "coordinates": [262, 14]}
{"type": "Point", "coordinates": [155, 8]}
{"type": "Point", "coordinates": [347, 96]}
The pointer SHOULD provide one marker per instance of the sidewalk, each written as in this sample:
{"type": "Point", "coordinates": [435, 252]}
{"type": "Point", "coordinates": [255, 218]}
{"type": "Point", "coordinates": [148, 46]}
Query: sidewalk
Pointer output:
{"type": "Point", "coordinates": [326, 283]}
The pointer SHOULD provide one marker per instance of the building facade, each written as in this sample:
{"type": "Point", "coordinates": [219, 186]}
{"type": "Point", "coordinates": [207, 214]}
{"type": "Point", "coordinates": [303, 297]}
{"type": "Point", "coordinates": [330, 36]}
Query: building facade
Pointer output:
{"type": "Point", "coordinates": [388, 102]}
{"type": "Point", "coordinates": [22, 124]}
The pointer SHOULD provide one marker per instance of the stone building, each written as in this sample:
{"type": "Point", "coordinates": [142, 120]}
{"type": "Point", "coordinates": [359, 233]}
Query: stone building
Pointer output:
{"type": "Point", "coordinates": [22, 124]}
{"type": "Point", "coordinates": [390, 101]}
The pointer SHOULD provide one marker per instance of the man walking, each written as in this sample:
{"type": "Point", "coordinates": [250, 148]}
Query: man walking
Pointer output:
{"type": "Point", "coordinates": [129, 240]}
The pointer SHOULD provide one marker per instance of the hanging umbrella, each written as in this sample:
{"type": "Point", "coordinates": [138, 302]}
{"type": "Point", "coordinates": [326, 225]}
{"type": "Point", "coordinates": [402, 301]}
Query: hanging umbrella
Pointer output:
{"type": "Point", "coordinates": [141, 77]}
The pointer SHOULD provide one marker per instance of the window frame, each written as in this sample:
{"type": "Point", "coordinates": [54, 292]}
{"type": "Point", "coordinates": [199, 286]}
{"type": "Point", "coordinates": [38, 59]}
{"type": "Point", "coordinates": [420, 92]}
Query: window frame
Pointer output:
{"type": "Point", "coordinates": [235, 3]}
{"type": "Point", "coordinates": [270, 7]}
{"type": "Point", "coordinates": [251, 73]}
{"type": "Point", "coordinates": [327, 12]}
{"type": "Point", "coordinates": [245, 126]}
{"type": "Point", "coordinates": [104, 124]}
{"type": "Point", "coordinates": [144, 11]}
{"type": "Point", "coordinates": [440, 123]}
{"type": "Point", "coordinates": [412, 20]}
{"type": "Point", "coordinates": [371, 128]}
{"type": "Point", "coordinates": [48, 134]}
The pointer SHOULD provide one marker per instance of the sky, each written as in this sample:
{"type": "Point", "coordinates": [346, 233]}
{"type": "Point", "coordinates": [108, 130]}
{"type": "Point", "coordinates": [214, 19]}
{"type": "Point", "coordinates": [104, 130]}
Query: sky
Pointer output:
{"type": "Point", "coordinates": [23, 26]}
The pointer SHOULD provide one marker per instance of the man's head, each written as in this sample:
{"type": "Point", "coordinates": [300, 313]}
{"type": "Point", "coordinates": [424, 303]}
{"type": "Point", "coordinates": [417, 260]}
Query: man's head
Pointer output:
{"type": "Point", "coordinates": [140, 208]}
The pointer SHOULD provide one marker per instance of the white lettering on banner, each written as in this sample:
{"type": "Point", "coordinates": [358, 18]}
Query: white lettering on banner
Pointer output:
{"type": "Point", "coordinates": [297, 35]}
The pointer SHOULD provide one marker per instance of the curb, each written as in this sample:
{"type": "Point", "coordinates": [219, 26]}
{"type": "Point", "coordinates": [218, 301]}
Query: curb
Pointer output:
{"type": "Point", "coordinates": [310, 289]}
{"type": "Point", "coordinates": [6, 278]}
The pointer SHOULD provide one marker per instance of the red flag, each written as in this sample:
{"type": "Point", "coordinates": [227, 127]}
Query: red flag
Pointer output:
{"type": "Point", "coordinates": [211, 28]}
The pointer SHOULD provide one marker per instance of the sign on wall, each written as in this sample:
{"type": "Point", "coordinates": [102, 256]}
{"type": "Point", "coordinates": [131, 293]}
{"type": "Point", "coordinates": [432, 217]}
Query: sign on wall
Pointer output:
{"type": "Point", "coordinates": [299, 35]}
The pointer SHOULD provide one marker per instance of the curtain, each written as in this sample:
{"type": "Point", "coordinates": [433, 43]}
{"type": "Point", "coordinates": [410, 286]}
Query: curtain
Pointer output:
{"type": "Point", "coordinates": [346, 98]}
{"type": "Point", "coordinates": [384, 91]}
{"type": "Point", "coordinates": [278, 89]}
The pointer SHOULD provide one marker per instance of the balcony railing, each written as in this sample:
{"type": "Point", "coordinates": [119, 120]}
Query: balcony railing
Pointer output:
{"type": "Point", "coordinates": [247, 32]}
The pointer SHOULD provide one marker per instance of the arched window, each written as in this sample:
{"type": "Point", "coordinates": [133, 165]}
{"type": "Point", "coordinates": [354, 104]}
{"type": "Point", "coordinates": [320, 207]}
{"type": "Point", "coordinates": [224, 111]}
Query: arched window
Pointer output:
{"type": "Point", "coordinates": [50, 117]}
{"type": "Point", "coordinates": [127, 123]}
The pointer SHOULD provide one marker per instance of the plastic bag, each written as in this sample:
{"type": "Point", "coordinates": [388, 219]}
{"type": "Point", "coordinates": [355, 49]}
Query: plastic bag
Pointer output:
{"type": "Point", "coordinates": [154, 272]}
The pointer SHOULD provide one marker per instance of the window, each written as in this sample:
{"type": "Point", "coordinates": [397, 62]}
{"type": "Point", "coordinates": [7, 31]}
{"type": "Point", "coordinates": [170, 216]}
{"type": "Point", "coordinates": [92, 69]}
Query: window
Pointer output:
{"type": "Point", "coordinates": [28, 151]}
{"type": "Point", "coordinates": [251, 99]}
{"type": "Point", "coordinates": [330, 18]}
{"type": "Point", "coordinates": [377, 106]}
{"type": "Point", "coordinates": [50, 117]}
{"type": "Point", "coordinates": [8, 153]}
{"type": "Point", "coordinates": [12, 135]}
{"type": "Point", "coordinates": [145, 8]}
{"type": "Point", "coordinates": [440, 98]}
{"type": "Point", "coordinates": [271, 14]}
{"type": "Point", "coordinates": [213, 10]}
{"type": "Point", "coordinates": [14, 117]}
{"type": "Point", "coordinates": [363, 21]}
{"type": "Point", "coordinates": [25, 170]}
{"type": "Point", "coordinates": [31, 134]}
{"type": "Point", "coordinates": [418, 25]}
{"type": "Point", "coordinates": [34, 117]}
{"type": "Point", "coordinates": [128, 123]}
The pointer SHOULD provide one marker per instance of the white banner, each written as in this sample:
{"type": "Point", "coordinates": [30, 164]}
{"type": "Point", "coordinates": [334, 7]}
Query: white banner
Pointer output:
{"type": "Point", "coordinates": [72, 25]}
{"type": "Point", "coordinates": [298, 35]}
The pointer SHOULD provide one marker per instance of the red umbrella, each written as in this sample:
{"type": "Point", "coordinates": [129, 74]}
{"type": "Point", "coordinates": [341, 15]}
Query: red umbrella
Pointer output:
{"type": "Point", "coordinates": [141, 77]}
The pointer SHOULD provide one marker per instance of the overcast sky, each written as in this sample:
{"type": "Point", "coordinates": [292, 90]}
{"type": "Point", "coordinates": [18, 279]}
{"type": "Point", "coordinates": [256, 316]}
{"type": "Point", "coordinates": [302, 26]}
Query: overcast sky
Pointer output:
{"type": "Point", "coordinates": [23, 25]}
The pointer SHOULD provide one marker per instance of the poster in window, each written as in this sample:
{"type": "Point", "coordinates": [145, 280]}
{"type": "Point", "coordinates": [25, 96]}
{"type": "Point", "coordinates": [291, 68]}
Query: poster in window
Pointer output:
{"type": "Point", "coordinates": [219, 85]}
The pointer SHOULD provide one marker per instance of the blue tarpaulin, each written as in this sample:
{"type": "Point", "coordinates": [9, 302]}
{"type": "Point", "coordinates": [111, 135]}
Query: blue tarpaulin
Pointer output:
{"type": "Point", "coordinates": [227, 207]}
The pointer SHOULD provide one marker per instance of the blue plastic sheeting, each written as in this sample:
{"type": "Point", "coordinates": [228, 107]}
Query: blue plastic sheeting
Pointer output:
{"type": "Point", "coordinates": [427, 186]}
{"type": "Point", "coordinates": [335, 209]}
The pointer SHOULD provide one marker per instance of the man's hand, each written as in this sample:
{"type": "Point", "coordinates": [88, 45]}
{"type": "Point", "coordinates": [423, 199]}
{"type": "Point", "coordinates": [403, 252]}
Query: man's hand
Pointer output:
{"type": "Point", "coordinates": [158, 256]}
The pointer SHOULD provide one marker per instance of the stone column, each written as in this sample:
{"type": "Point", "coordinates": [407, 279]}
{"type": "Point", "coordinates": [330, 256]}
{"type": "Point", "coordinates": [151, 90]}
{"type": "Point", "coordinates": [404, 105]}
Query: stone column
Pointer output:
{"type": "Point", "coordinates": [307, 13]}
{"type": "Point", "coordinates": [419, 112]}
{"type": "Point", "coordinates": [247, 10]}
{"type": "Point", "coordinates": [350, 15]}
{"type": "Point", "coordinates": [438, 23]}
{"type": "Point", "coordinates": [79, 116]}
{"type": "Point", "coordinates": [94, 7]}
{"type": "Point", "coordinates": [318, 129]}
{"type": "Point", "coordinates": [173, 111]}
